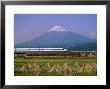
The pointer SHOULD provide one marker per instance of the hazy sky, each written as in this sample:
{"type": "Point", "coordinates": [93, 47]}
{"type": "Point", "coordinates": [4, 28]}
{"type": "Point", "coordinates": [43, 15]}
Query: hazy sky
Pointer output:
{"type": "Point", "coordinates": [29, 26]}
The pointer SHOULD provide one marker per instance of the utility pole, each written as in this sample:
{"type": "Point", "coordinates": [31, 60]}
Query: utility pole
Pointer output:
{"type": "Point", "coordinates": [29, 46]}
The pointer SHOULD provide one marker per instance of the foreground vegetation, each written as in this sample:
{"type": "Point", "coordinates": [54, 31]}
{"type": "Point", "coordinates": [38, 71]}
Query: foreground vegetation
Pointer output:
{"type": "Point", "coordinates": [55, 67]}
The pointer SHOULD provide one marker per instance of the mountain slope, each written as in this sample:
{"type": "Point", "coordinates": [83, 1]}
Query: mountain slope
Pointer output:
{"type": "Point", "coordinates": [58, 37]}
{"type": "Point", "coordinates": [85, 47]}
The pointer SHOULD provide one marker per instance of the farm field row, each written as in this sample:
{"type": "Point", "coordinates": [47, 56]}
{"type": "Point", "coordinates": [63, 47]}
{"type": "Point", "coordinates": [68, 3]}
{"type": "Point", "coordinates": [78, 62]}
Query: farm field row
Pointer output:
{"type": "Point", "coordinates": [55, 67]}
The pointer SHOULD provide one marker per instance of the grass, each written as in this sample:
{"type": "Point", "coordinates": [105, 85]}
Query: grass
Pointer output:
{"type": "Point", "coordinates": [19, 62]}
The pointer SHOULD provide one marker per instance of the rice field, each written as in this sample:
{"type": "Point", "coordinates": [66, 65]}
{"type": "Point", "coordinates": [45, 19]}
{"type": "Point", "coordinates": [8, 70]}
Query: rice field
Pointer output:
{"type": "Point", "coordinates": [55, 67]}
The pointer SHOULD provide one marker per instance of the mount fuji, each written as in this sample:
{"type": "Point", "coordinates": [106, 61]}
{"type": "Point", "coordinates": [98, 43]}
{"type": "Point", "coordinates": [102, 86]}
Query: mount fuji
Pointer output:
{"type": "Point", "coordinates": [58, 37]}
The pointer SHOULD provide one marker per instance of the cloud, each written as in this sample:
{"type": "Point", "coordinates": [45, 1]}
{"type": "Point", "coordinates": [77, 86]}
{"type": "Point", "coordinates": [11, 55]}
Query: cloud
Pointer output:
{"type": "Point", "coordinates": [92, 34]}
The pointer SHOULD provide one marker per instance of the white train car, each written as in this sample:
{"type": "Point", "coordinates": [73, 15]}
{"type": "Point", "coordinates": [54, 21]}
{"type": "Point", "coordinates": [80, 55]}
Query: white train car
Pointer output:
{"type": "Point", "coordinates": [38, 49]}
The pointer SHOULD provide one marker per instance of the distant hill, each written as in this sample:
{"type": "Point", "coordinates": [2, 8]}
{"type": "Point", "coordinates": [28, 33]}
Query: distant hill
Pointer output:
{"type": "Point", "coordinates": [85, 47]}
{"type": "Point", "coordinates": [59, 37]}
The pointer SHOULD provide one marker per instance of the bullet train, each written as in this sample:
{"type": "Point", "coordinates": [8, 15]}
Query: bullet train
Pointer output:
{"type": "Point", "coordinates": [38, 49]}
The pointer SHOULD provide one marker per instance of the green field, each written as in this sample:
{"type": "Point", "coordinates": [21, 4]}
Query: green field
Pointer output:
{"type": "Point", "coordinates": [55, 67]}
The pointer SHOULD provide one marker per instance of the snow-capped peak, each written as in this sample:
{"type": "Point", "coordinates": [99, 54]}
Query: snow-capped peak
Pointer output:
{"type": "Point", "coordinates": [58, 29]}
